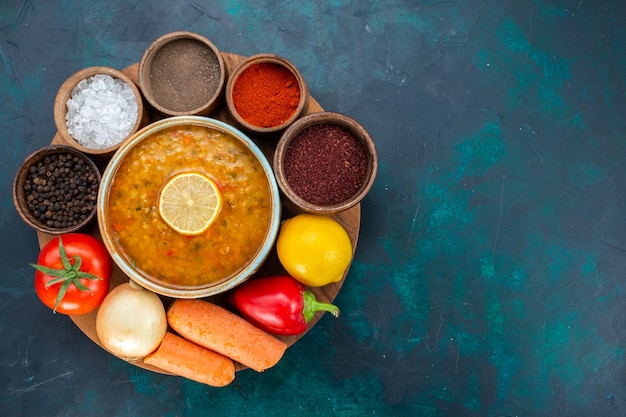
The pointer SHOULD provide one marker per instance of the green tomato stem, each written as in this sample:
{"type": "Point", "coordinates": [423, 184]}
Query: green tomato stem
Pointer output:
{"type": "Point", "coordinates": [68, 275]}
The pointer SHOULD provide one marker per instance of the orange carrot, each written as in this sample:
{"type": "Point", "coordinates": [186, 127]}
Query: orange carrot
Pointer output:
{"type": "Point", "coordinates": [182, 357]}
{"type": "Point", "coordinates": [216, 328]}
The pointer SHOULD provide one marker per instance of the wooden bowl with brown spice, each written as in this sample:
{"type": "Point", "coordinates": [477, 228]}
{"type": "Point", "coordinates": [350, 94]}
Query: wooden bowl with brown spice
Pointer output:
{"type": "Point", "coordinates": [182, 74]}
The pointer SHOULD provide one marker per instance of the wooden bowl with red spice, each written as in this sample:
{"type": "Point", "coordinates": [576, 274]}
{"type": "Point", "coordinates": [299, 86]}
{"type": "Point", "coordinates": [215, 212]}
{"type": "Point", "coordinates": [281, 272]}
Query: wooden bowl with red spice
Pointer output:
{"type": "Point", "coordinates": [325, 163]}
{"type": "Point", "coordinates": [265, 94]}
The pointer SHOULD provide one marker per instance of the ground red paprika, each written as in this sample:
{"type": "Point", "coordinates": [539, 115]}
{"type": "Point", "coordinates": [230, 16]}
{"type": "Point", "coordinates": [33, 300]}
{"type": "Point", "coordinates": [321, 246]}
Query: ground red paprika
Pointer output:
{"type": "Point", "coordinates": [266, 94]}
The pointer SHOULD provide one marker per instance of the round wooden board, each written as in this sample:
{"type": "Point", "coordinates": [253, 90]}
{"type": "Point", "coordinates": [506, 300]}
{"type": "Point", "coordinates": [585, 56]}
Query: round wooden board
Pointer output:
{"type": "Point", "coordinates": [349, 219]}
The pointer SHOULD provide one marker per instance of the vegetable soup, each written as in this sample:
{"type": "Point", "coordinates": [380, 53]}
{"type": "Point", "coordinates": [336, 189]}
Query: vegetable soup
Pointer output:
{"type": "Point", "coordinates": [231, 241]}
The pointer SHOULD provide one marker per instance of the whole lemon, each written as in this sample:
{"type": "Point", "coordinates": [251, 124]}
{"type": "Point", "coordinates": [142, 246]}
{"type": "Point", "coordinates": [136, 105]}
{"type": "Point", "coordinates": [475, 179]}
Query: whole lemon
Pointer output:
{"type": "Point", "coordinates": [314, 249]}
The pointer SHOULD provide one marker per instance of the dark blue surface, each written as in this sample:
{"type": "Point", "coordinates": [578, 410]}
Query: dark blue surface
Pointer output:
{"type": "Point", "coordinates": [489, 275]}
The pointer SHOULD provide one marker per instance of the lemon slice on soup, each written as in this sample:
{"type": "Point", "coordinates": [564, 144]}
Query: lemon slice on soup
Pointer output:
{"type": "Point", "coordinates": [189, 203]}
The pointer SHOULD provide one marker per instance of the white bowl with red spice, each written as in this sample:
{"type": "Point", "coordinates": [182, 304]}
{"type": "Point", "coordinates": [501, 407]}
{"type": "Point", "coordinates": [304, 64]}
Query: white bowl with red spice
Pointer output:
{"type": "Point", "coordinates": [265, 94]}
{"type": "Point", "coordinates": [325, 163]}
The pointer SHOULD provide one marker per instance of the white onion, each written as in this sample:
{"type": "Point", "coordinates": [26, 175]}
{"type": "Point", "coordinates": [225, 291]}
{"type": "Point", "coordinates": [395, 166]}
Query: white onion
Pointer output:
{"type": "Point", "coordinates": [131, 321]}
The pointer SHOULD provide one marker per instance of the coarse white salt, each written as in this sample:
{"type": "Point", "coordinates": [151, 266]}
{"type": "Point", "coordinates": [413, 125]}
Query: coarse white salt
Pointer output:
{"type": "Point", "coordinates": [101, 111]}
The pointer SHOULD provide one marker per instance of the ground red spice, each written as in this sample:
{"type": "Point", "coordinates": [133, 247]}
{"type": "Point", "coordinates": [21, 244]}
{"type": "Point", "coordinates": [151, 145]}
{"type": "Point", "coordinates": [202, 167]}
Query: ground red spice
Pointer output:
{"type": "Point", "coordinates": [266, 94]}
{"type": "Point", "coordinates": [325, 164]}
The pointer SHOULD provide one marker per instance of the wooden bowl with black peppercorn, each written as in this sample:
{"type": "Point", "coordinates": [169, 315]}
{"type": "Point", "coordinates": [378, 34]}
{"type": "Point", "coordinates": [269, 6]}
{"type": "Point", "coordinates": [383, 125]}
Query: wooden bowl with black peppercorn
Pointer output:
{"type": "Point", "coordinates": [55, 190]}
{"type": "Point", "coordinates": [325, 163]}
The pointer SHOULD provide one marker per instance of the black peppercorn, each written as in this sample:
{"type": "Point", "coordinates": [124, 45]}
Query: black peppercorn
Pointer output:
{"type": "Point", "coordinates": [61, 190]}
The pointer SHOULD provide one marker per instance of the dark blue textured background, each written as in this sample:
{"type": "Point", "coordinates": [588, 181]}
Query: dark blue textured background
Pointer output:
{"type": "Point", "coordinates": [489, 275]}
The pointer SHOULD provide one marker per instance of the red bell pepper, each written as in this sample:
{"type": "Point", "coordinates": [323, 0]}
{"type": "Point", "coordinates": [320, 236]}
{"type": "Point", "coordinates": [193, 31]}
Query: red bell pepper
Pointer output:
{"type": "Point", "coordinates": [278, 304]}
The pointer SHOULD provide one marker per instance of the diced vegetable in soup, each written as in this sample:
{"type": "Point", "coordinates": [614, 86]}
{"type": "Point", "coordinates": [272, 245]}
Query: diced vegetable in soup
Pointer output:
{"type": "Point", "coordinates": [229, 243]}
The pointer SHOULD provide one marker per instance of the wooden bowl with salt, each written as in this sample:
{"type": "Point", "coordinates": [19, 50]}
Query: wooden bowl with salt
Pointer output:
{"type": "Point", "coordinates": [121, 125]}
{"type": "Point", "coordinates": [182, 74]}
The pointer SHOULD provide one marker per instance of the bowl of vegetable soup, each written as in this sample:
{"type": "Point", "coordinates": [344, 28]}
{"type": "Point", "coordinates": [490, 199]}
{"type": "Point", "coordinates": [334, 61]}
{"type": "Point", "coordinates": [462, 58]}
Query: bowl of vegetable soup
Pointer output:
{"type": "Point", "coordinates": [189, 207]}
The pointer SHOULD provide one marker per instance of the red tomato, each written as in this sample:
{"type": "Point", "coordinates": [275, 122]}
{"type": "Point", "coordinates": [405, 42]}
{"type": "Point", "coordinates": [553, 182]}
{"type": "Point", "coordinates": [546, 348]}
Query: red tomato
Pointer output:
{"type": "Point", "coordinates": [73, 278]}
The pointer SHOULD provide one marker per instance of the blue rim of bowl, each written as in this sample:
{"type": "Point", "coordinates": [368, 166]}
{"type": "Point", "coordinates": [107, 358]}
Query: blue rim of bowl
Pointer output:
{"type": "Point", "coordinates": [209, 289]}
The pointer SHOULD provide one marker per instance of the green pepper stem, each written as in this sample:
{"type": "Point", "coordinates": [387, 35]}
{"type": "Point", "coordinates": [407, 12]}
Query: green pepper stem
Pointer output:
{"type": "Point", "coordinates": [311, 306]}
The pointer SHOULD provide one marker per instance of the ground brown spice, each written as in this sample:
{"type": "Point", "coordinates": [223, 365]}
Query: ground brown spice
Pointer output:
{"type": "Point", "coordinates": [184, 75]}
{"type": "Point", "coordinates": [325, 164]}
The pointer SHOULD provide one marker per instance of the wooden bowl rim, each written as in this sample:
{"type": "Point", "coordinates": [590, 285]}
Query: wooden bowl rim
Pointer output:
{"type": "Point", "coordinates": [146, 62]}
{"type": "Point", "coordinates": [313, 119]}
{"type": "Point", "coordinates": [65, 92]}
{"type": "Point", "coordinates": [260, 59]}
{"type": "Point", "coordinates": [19, 194]}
